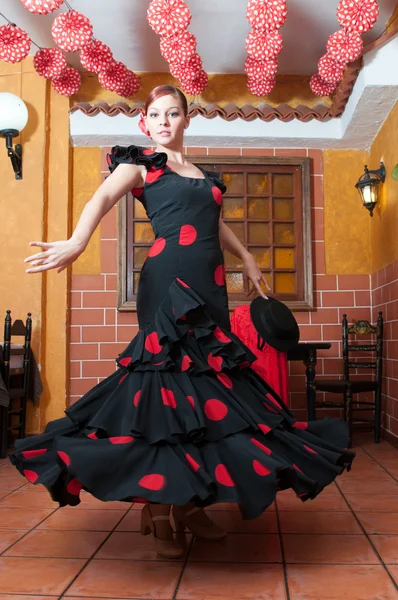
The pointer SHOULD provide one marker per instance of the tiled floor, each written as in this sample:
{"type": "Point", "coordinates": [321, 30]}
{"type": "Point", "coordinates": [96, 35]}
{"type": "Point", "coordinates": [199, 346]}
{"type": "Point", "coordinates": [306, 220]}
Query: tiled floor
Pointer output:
{"type": "Point", "coordinates": [343, 545]}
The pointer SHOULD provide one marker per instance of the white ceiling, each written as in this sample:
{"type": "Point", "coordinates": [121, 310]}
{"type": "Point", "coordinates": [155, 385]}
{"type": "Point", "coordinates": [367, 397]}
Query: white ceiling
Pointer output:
{"type": "Point", "coordinates": [220, 27]}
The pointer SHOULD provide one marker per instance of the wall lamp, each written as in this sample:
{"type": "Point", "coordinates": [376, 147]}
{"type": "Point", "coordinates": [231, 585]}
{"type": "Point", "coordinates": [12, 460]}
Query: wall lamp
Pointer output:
{"type": "Point", "coordinates": [368, 186]}
{"type": "Point", "coordinates": [13, 118]}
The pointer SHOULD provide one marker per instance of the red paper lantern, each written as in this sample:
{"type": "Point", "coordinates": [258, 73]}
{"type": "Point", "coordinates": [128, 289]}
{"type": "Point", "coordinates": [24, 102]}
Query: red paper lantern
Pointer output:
{"type": "Point", "coordinates": [96, 56]}
{"type": "Point", "coordinates": [68, 83]}
{"type": "Point", "coordinates": [14, 43]}
{"type": "Point", "coordinates": [260, 69]}
{"type": "Point", "coordinates": [197, 85]}
{"type": "Point", "coordinates": [320, 87]}
{"type": "Point", "coordinates": [168, 17]}
{"type": "Point", "coordinates": [71, 31]}
{"type": "Point", "coordinates": [130, 86]}
{"type": "Point", "coordinates": [261, 87]}
{"type": "Point", "coordinates": [114, 76]}
{"type": "Point", "coordinates": [187, 70]}
{"type": "Point", "coordinates": [178, 48]}
{"type": "Point", "coordinates": [264, 45]}
{"type": "Point", "coordinates": [357, 15]}
{"type": "Point", "coordinates": [49, 62]}
{"type": "Point", "coordinates": [42, 7]}
{"type": "Point", "coordinates": [344, 46]}
{"type": "Point", "coordinates": [329, 69]}
{"type": "Point", "coordinates": [266, 14]}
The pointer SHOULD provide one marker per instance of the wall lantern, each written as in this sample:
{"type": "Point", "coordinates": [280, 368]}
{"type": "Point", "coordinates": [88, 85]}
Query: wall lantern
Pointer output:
{"type": "Point", "coordinates": [13, 118]}
{"type": "Point", "coordinates": [368, 186]}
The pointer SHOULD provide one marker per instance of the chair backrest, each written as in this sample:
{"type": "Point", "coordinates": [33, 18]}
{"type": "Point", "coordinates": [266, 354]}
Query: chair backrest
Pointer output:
{"type": "Point", "coordinates": [18, 328]}
{"type": "Point", "coordinates": [363, 328]}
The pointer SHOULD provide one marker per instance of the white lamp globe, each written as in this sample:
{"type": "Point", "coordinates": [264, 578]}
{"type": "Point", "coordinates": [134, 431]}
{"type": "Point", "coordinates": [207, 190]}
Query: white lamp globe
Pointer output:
{"type": "Point", "coordinates": [13, 112]}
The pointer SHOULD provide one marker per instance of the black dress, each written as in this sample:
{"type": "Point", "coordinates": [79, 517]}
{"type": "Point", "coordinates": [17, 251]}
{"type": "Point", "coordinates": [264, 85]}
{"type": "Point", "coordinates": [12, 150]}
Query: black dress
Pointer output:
{"type": "Point", "coordinates": [184, 417]}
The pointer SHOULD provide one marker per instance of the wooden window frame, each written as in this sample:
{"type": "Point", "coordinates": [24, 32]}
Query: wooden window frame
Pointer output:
{"type": "Point", "coordinates": [124, 304]}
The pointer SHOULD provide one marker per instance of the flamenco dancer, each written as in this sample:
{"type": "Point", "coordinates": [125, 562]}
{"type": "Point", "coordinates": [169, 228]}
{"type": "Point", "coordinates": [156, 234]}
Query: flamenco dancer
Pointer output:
{"type": "Point", "coordinates": [184, 422]}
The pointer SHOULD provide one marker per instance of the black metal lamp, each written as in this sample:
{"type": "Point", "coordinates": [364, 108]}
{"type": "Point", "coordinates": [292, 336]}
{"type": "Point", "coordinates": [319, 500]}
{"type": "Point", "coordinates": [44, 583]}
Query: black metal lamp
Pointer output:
{"type": "Point", "coordinates": [13, 118]}
{"type": "Point", "coordinates": [368, 186]}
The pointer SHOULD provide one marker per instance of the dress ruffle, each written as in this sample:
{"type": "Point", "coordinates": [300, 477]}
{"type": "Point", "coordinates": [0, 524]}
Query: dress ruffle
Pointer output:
{"type": "Point", "coordinates": [136, 155]}
{"type": "Point", "coordinates": [184, 418]}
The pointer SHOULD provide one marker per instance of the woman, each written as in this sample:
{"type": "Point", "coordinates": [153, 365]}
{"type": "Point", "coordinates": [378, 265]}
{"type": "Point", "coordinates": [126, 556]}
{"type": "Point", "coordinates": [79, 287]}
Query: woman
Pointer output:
{"type": "Point", "coordinates": [184, 420]}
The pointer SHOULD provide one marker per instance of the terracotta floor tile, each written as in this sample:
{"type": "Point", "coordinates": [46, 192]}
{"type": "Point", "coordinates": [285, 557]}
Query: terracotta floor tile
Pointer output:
{"type": "Point", "coordinates": [29, 499]}
{"type": "Point", "coordinates": [9, 536]}
{"type": "Point", "coordinates": [83, 520]}
{"type": "Point", "coordinates": [328, 549]}
{"type": "Point", "coordinates": [321, 502]}
{"type": "Point", "coordinates": [88, 501]}
{"type": "Point", "coordinates": [368, 486]}
{"type": "Point", "coordinates": [383, 523]}
{"type": "Point", "coordinates": [318, 522]}
{"type": "Point", "coordinates": [232, 522]}
{"type": "Point", "coordinates": [22, 518]}
{"type": "Point", "coordinates": [29, 597]}
{"type": "Point", "coordinates": [128, 579]}
{"type": "Point", "coordinates": [131, 522]}
{"type": "Point", "coordinates": [238, 547]}
{"type": "Point", "coordinates": [394, 572]}
{"type": "Point", "coordinates": [11, 482]}
{"type": "Point", "coordinates": [373, 503]}
{"type": "Point", "coordinates": [134, 546]}
{"type": "Point", "coordinates": [351, 582]}
{"type": "Point", "coordinates": [58, 544]}
{"type": "Point", "coordinates": [40, 575]}
{"type": "Point", "coordinates": [219, 581]}
{"type": "Point", "coordinates": [364, 474]}
{"type": "Point", "coordinates": [387, 547]}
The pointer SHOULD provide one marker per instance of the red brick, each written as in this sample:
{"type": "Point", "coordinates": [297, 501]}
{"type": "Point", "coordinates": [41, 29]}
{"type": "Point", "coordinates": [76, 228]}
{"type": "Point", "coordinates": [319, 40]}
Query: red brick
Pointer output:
{"type": "Point", "coordinates": [373, 280]}
{"type": "Point", "coordinates": [298, 400]}
{"type": "Point", "coordinates": [296, 383]}
{"type": "Point", "coordinates": [75, 299]}
{"type": "Point", "coordinates": [318, 253]}
{"type": "Point", "coordinates": [316, 187]}
{"type": "Point", "coordinates": [195, 150]}
{"type": "Point", "coordinates": [301, 415]}
{"type": "Point", "coordinates": [258, 152]}
{"type": "Point", "coordinates": [83, 351]}
{"type": "Point", "coordinates": [109, 225]}
{"type": "Point", "coordinates": [302, 318]}
{"type": "Point", "coordinates": [394, 426]}
{"type": "Point", "coordinates": [223, 152]}
{"type": "Point", "coordinates": [324, 315]}
{"type": "Point", "coordinates": [394, 330]}
{"type": "Point", "coordinates": [392, 349]}
{"type": "Point", "coordinates": [111, 351]}
{"type": "Point", "coordinates": [354, 282]}
{"type": "Point", "coordinates": [110, 282]}
{"type": "Point", "coordinates": [355, 314]}
{"type": "Point", "coordinates": [362, 298]}
{"type": "Point", "coordinates": [325, 282]}
{"type": "Point", "coordinates": [333, 352]}
{"type": "Point", "coordinates": [98, 368]}
{"type": "Point", "coordinates": [110, 316]}
{"type": "Point", "coordinates": [98, 334]}
{"type": "Point", "coordinates": [75, 334]}
{"type": "Point", "coordinates": [99, 300]}
{"type": "Point", "coordinates": [309, 333]}
{"type": "Point", "coordinates": [393, 388]}
{"type": "Point", "coordinates": [87, 316]}
{"type": "Point", "coordinates": [78, 387]}
{"type": "Point", "coordinates": [381, 277]}
{"type": "Point", "coordinates": [88, 282]}
{"type": "Point", "coordinates": [385, 293]}
{"type": "Point", "coordinates": [318, 224]}
{"type": "Point", "coordinates": [391, 311]}
{"type": "Point", "coordinates": [291, 152]}
{"type": "Point", "coordinates": [74, 369]}
{"type": "Point", "coordinates": [332, 333]}
{"type": "Point", "coordinates": [337, 299]}
{"type": "Point", "coordinates": [316, 165]}
{"type": "Point", "coordinates": [108, 256]}
{"type": "Point", "coordinates": [390, 272]}
{"type": "Point", "coordinates": [296, 367]}
{"type": "Point", "coordinates": [333, 366]}
{"type": "Point", "coordinates": [317, 300]}
{"type": "Point", "coordinates": [395, 269]}
{"type": "Point", "coordinates": [127, 318]}
{"type": "Point", "coordinates": [126, 333]}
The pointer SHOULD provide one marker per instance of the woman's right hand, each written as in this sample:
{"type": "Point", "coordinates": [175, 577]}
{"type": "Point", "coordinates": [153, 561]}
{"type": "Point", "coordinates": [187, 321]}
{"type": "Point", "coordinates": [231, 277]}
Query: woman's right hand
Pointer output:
{"type": "Point", "coordinates": [56, 255]}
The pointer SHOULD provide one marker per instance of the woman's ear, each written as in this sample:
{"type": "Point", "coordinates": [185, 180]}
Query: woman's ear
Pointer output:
{"type": "Point", "coordinates": [187, 122]}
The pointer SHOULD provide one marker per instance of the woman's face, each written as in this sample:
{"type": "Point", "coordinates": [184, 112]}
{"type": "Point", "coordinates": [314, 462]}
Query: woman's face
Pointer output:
{"type": "Point", "coordinates": [166, 121]}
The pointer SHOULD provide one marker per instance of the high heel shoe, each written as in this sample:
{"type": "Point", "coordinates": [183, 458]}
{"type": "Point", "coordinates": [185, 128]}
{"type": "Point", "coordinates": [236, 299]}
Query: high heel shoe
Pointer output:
{"type": "Point", "coordinates": [166, 548]}
{"type": "Point", "coordinates": [209, 531]}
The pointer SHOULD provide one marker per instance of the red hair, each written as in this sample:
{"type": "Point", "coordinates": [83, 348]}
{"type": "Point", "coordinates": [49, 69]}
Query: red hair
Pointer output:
{"type": "Point", "coordinates": [166, 90]}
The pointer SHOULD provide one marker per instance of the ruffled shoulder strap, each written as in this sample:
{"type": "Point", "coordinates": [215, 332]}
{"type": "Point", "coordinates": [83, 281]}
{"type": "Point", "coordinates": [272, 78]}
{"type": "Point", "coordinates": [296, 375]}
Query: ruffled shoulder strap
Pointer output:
{"type": "Point", "coordinates": [216, 179]}
{"type": "Point", "coordinates": [136, 155]}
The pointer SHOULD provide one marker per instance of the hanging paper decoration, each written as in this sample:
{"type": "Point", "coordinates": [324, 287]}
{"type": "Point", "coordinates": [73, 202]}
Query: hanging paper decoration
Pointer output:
{"type": "Point", "coordinates": [68, 83]}
{"type": "Point", "coordinates": [187, 70]}
{"type": "Point", "coordinates": [260, 69]}
{"type": "Point", "coordinates": [130, 86]}
{"type": "Point", "coordinates": [42, 7]}
{"type": "Point", "coordinates": [114, 76]}
{"type": "Point", "coordinates": [197, 85]}
{"type": "Point", "coordinates": [320, 87]}
{"type": "Point", "coordinates": [96, 56]}
{"type": "Point", "coordinates": [49, 62]}
{"type": "Point", "coordinates": [344, 46]}
{"type": "Point", "coordinates": [14, 43]}
{"type": "Point", "coordinates": [357, 15]}
{"type": "Point", "coordinates": [266, 14]}
{"type": "Point", "coordinates": [178, 48]}
{"type": "Point", "coordinates": [71, 31]}
{"type": "Point", "coordinates": [264, 45]}
{"type": "Point", "coordinates": [329, 69]}
{"type": "Point", "coordinates": [168, 17]}
{"type": "Point", "coordinates": [261, 87]}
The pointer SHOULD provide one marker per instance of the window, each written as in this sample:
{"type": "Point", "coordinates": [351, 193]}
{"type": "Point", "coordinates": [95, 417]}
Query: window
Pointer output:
{"type": "Point", "coordinates": [267, 205]}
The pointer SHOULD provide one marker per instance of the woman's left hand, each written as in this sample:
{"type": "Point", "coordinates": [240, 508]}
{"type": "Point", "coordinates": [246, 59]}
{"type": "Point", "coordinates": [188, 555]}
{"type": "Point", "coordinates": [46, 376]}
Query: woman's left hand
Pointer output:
{"type": "Point", "coordinates": [253, 272]}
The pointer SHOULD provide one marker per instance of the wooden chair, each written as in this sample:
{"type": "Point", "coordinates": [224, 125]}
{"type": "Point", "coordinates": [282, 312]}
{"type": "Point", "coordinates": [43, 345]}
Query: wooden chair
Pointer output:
{"type": "Point", "coordinates": [16, 379]}
{"type": "Point", "coordinates": [347, 386]}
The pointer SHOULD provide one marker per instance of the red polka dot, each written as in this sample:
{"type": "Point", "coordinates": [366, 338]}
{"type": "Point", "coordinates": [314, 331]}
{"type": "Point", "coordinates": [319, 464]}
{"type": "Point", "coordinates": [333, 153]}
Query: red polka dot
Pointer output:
{"type": "Point", "coordinates": [297, 468]}
{"type": "Point", "coordinates": [270, 408]}
{"type": "Point", "coordinates": [183, 318]}
{"type": "Point", "coordinates": [125, 361]}
{"type": "Point", "coordinates": [136, 398]}
{"type": "Point", "coordinates": [217, 195]}
{"type": "Point", "coordinates": [192, 462]}
{"type": "Point", "coordinates": [244, 364]}
{"type": "Point", "coordinates": [157, 247]}
{"type": "Point", "coordinates": [272, 399]}
{"type": "Point", "coordinates": [121, 439]}
{"type": "Point", "coordinates": [33, 453]}
{"type": "Point", "coordinates": [74, 487]}
{"type": "Point", "coordinates": [261, 446]}
{"type": "Point", "coordinates": [219, 275]}
{"type": "Point", "coordinates": [181, 282]}
{"type": "Point", "coordinates": [153, 174]}
{"type": "Point", "coordinates": [220, 335]}
{"type": "Point", "coordinates": [300, 425]}
{"type": "Point", "coordinates": [260, 469]}
{"type": "Point", "coordinates": [158, 363]}
{"type": "Point", "coordinates": [93, 435]}
{"type": "Point", "coordinates": [153, 482]}
{"type": "Point", "coordinates": [152, 343]}
{"type": "Point", "coordinates": [147, 152]}
{"type": "Point", "coordinates": [264, 428]}
{"type": "Point", "coordinates": [191, 401]}
{"type": "Point", "coordinates": [186, 361]}
{"type": "Point", "coordinates": [215, 409]}
{"type": "Point", "coordinates": [64, 457]}
{"type": "Point", "coordinates": [310, 449]}
{"type": "Point", "coordinates": [168, 397]}
{"type": "Point", "coordinates": [223, 476]}
{"type": "Point", "coordinates": [137, 192]}
{"type": "Point", "coordinates": [187, 235]}
{"type": "Point", "coordinates": [31, 476]}
{"type": "Point", "coordinates": [215, 362]}
{"type": "Point", "coordinates": [225, 380]}
{"type": "Point", "coordinates": [123, 377]}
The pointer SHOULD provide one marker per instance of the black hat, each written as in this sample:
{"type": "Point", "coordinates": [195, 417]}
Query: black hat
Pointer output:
{"type": "Point", "coordinates": [274, 323]}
